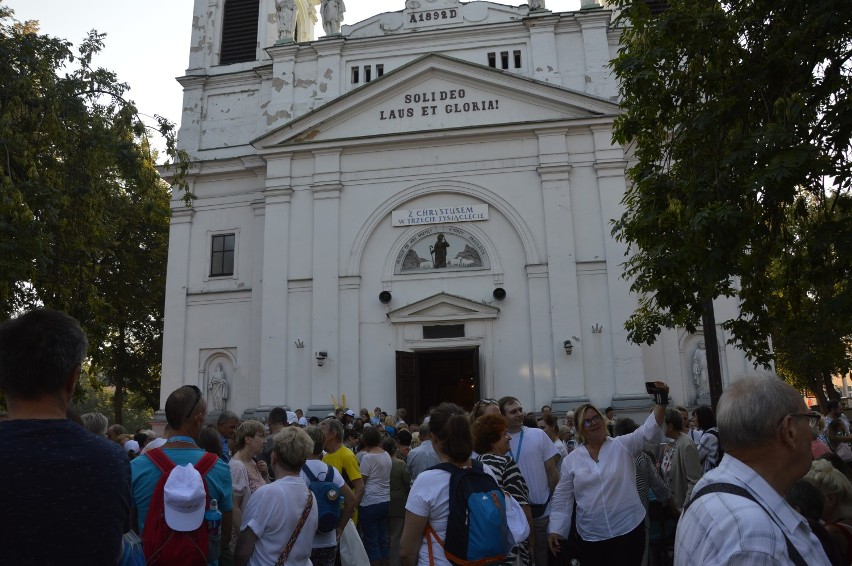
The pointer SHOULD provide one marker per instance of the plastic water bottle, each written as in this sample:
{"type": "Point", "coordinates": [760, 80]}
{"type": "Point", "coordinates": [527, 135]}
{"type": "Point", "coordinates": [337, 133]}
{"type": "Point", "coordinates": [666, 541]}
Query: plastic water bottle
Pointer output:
{"type": "Point", "coordinates": [213, 518]}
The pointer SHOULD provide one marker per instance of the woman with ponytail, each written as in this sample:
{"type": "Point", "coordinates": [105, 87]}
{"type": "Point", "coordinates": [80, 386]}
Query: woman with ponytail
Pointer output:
{"type": "Point", "coordinates": [429, 500]}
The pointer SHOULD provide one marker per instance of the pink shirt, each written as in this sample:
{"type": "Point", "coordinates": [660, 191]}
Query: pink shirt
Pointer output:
{"type": "Point", "coordinates": [819, 448]}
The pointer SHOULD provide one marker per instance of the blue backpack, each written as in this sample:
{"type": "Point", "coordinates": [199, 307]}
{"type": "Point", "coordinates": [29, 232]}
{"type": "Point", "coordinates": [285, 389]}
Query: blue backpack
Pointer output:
{"type": "Point", "coordinates": [327, 496]}
{"type": "Point", "coordinates": [477, 530]}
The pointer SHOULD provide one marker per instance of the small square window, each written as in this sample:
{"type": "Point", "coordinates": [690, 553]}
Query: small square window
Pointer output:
{"type": "Point", "coordinates": [355, 75]}
{"type": "Point", "coordinates": [222, 255]}
{"type": "Point", "coordinates": [368, 73]}
{"type": "Point", "coordinates": [380, 70]}
{"type": "Point", "coordinates": [517, 54]}
{"type": "Point", "coordinates": [504, 59]}
{"type": "Point", "coordinates": [492, 59]}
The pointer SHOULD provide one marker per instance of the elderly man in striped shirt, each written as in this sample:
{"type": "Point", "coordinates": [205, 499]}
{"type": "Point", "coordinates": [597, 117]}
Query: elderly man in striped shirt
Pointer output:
{"type": "Point", "coordinates": [738, 514]}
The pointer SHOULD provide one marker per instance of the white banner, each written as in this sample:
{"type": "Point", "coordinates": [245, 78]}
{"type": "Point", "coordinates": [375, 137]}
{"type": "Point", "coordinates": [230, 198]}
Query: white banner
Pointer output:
{"type": "Point", "coordinates": [466, 213]}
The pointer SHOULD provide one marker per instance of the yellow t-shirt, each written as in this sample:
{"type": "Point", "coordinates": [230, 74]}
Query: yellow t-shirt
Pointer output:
{"type": "Point", "coordinates": [344, 461]}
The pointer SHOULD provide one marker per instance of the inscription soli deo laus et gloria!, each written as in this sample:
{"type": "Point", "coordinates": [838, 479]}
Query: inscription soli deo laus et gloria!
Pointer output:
{"type": "Point", "coordinates": [432, 103]}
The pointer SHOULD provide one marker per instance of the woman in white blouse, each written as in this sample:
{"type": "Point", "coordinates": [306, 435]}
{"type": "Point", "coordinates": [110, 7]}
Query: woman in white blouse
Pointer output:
{"type": "Point", "coordinates": [600, 476]}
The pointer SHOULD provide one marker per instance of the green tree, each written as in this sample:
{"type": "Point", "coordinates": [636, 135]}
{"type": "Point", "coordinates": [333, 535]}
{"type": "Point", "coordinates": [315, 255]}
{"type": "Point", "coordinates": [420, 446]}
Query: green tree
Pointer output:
{"type": "Point", "coordinates": [813, 290]}
{"type": "Point", "coordinates": [83, 211]}
{"type": "Point", "coordinates": [734, 111]}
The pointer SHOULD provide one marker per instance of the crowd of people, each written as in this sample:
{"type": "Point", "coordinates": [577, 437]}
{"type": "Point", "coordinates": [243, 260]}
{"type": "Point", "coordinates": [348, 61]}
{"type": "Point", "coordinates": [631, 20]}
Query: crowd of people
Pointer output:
{"type": "Point", "coordinates": [762, 480]}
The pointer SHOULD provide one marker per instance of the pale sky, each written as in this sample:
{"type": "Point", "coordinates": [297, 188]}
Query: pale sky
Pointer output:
{"type": "Point", "coordinates": [147, 42]}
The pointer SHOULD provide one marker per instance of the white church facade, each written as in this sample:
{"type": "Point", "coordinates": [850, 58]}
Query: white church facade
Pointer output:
{"type": "Point", "coordinates": [415, 209]}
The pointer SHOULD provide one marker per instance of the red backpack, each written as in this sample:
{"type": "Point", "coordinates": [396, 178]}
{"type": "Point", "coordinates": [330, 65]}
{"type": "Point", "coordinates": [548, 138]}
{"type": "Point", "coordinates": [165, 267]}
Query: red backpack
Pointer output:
{"type": "Point", "coordinates": [161, 544]}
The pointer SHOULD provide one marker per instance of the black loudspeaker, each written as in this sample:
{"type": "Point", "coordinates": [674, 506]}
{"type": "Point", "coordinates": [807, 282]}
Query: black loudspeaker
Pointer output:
{"type": "Point", "coordinates": [499, 293]}
{"type": "Point", "coordinates": [385, 297]}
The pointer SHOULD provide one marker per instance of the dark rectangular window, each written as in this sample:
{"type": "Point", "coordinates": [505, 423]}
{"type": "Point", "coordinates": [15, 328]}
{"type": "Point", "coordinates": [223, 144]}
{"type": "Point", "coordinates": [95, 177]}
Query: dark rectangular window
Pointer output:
{"type": "Point", "coordinates": [239, 31]}
{"type": "Point", "coordinates": [368, 73]}
{"type": "Point", "coordinates": [492, 59]}
{"type": "Point", "coordinates": [355, 78]}
{"type": "Point", "coordinates": [517, 54]}
{"type": "Point", "coordinates": [443, 331]}
{"type": "Point", "coordinates": [504, 59]}
{"type": "Point", "coordinates": [380, 70]}
{"type": "Point", "coordinates": [222, 256]}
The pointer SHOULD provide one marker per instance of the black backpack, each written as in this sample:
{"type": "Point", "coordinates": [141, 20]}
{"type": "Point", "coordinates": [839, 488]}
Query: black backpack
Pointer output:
{"type": "Point", "coordinates": [477, 529]}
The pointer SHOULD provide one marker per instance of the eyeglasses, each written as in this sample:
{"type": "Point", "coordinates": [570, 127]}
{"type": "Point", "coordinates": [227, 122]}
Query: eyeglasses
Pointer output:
{"type": "Point", "coordinates": [812, 416]}
{"type": "Point", "coordinates": [589, 422]}
{"type": "Point", "coordinates": [197, 398]}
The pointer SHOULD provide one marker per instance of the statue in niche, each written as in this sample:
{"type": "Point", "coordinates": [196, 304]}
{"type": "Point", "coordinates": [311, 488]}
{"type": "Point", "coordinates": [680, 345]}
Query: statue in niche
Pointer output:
{"type": "Point", "coordinates": [332, 16]}
{"type": "Point", "coordinates": [536, 5]}
{"type": "Point", "coordinates": [218, 387]}
{"type": "Point", "coordinates": [699, 371]}
{"type": "Point", "coordinates": [286, 18]}
{"type": "Point", "coordinates": [439, 252]}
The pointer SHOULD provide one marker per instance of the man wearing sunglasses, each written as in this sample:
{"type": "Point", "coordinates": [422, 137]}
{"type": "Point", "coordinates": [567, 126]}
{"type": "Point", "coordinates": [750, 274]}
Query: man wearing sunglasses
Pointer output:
{"type": "Point", "coordinates": [738, 514]}
{"type": "Point", "coordinates": [54, 470]}
{"type": "Point", "coordinates": [186, 410]}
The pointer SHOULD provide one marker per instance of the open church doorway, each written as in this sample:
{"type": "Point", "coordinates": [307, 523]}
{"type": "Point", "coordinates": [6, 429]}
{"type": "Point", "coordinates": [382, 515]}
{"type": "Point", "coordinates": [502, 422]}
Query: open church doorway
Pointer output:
{"type": "Point", "coordinates": [426, 379]}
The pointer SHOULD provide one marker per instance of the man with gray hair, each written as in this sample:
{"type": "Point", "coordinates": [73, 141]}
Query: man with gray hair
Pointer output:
{"type": "Point", "coordinates": [738, 514]}
{"type": "Point", "coordinates": [54, 471]}
{"type": "Point", "coordinates": [226, 425]}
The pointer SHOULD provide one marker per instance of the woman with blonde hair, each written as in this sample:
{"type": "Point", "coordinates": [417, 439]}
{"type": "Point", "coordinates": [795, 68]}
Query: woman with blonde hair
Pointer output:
{"type": "Point", "coordinates": [282, 514]}
{"type": "Point", "coordinates": [599, 475]}
{"type": "Point", "coordinates": [837, 511]}
{"type": "Point", "coordinates": [246, 475]}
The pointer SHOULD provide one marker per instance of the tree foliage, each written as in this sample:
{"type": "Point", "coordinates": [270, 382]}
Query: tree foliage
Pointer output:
{"type": "Point", "coordinates": [84, 213]}
{"type": "Point", "coordinates": [738, 117]}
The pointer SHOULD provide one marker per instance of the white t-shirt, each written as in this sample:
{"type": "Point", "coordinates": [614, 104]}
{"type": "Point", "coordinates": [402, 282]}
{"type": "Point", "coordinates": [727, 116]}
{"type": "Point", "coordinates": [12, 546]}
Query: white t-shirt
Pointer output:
{"type": "Point", "coordinates": [320, 469]}
{"type": "Point", "coordinates": [376, 469]}
{"type": "Point", "coordinates": [535, 449]}
{"type": "Point", "coordinates": [272, 514]}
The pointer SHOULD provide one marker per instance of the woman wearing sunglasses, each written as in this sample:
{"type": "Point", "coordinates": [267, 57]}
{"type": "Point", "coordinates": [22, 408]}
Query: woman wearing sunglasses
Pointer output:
{"type": "Point", "coordinates": [600, 477]}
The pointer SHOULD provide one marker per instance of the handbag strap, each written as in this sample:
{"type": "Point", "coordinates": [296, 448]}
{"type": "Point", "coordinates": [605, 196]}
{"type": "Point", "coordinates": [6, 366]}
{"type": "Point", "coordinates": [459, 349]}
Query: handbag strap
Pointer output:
{"type": "Point", "coordinates": [285, 554]}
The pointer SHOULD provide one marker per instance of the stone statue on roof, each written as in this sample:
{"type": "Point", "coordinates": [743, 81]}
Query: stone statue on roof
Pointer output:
{"type": "Point", "coordinates": [285, 11]}
{"type": "Point", "coordinates": [332, 16]}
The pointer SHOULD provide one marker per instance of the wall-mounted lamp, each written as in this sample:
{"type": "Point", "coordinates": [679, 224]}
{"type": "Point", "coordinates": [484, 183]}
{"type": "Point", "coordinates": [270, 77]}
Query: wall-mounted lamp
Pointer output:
{"type": "Point", "coordinates": [385, 297]}
{"type": "Point", "coordinates": [569, 347]}
{"type": "Point", "coordinates": [321, 356]}
{"type": "Point", "coordinates": [499, 293]}
{"type": "Point", "coordinates": [299, 343]}
{"type": "Point", "coordinates": [597, 329]}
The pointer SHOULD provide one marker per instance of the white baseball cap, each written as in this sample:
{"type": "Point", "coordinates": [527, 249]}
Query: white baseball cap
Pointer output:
{"type": "Point", "coordinates": [184, 498]}
{"type": "Point", "coordinates": [350, 412]}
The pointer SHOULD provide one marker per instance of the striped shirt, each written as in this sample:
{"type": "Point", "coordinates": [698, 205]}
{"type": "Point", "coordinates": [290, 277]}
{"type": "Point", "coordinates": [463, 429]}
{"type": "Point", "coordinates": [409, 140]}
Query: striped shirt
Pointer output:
{"type": "Point", "coordinates": [723, 528]}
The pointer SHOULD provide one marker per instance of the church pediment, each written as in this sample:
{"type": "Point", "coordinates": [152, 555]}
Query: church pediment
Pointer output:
{"type": "Point", "coordinates": [443, 307]}
{"type": "Point", "coordinates": [435, 93]}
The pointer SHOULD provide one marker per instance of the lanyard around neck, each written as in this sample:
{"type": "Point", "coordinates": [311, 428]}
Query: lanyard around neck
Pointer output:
{"type": "Point", "coordinates": [520, 444]}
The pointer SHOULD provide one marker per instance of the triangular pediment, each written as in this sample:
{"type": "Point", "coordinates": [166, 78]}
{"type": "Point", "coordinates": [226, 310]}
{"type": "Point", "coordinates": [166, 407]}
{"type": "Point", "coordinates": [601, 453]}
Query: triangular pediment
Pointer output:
{"type": "Point", "coordinates": [443, 307]}
{"type": "Point", "coordinates": [437, 93]}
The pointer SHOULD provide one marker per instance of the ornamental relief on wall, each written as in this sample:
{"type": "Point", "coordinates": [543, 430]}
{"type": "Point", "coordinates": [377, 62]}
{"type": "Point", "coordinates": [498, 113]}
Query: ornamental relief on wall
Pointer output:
{"type": "Point", "coordinates": [441, 248]}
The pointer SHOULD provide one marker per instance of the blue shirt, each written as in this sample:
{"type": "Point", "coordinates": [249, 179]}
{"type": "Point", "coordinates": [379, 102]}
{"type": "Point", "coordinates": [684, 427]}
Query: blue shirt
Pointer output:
{"type": "Point", "coordinates": [146, 474]}
{"type": "Point", "coordinates": [65, 494]}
